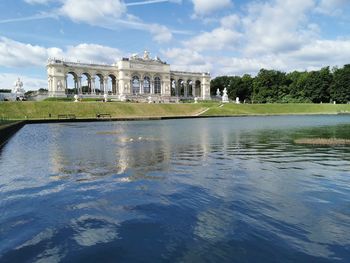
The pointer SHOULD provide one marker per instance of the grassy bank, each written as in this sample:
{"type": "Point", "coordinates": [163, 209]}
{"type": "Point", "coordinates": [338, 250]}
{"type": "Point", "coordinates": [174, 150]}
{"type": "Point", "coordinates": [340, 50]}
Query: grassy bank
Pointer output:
{"type": "Point", "coordinates": [276, 109]}
{"type": "Point", "coordinates": [42, 110]}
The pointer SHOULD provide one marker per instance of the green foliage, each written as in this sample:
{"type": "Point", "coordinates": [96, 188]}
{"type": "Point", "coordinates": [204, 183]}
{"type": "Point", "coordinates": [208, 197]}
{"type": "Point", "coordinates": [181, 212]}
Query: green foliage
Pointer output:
{"type": "Point", "coordinates": [340, 88]}
{"type": "Point", "coordinates": [273, 86]}
{"type": "Point", "coordinates": [5, 91]}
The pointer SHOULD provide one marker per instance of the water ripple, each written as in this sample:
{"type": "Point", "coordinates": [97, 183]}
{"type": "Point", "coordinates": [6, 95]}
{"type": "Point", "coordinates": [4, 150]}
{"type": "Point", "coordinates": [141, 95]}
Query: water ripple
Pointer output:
{"type": "Point", "coordinates": [206, 190]}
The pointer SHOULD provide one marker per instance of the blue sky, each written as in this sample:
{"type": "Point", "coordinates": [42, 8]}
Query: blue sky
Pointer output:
{"type": "Point", "coordinates": [224, 37]}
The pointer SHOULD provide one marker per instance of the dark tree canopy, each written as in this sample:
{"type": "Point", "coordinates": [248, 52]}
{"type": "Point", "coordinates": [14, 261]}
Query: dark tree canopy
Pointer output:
{"type": "Point", "coordinates": [273, 86]}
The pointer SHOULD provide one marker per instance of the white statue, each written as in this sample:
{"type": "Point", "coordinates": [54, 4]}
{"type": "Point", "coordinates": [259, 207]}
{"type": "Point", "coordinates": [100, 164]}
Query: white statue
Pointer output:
{"type": "Point", "coordinates": [195, 100]}
{"type": "Point", "coordinates": [225, 96]}
{"type": "Point", "coordinates": [218, 93]}
{"type": "Point", "coordinates": [59, 85]}
{"type": "Point", "coordinates": [18, 87]}
{"type": "Point", "coordinates": [149, 99]}
{"type": "Point", "coordinates": [76, 98]}
{"type": "Point", "coordinates": [18, 91]}
{"type": "Point", "coordinates": [105, 97]}
{"type": "Point", "coordinates": [237, 100]}
{"type": "Point", "coordinates": [146, 55]}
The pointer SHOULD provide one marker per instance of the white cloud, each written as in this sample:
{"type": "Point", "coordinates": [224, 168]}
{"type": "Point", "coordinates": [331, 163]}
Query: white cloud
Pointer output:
{"type": "Point", "coordinates": [32, 2]}
{"type": "Point", "coordinates": [277, 26]}
{"type": "Point", "coordinates": [17, 54]}
{"type": "Point", "coordinates": [29, 83]}
{"type": "Point", "coordinates": [93, 12]}
{"type": "Point", "coordinates": [218, 39]}
{"type": "Point", "coordinates": [320, 53]}
{"type": "Point", "coordinates": [110, 14]}
{"type": "Point", "coordinates": [151, 2]}
{"type": "Point", "coordinates": [230, 21]}
{"type": "Point", "coordinates": [161, 34]}
{"type": "Point", "coordinates": [314, 55]}
{"type": "Point", "coordinates": [187, 59]}
{"type": "Point", "coordinates": [332, 7]}
{"type": "Point", "coordinates": [93, 53]}
{"type": "Point", "coordinates": [205, 7]}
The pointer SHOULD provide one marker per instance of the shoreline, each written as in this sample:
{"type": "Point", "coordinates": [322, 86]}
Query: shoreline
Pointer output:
{"type": "Point", "coordinates": [8, 130]}
{"type": "Point", "coordinates": [150, 118]}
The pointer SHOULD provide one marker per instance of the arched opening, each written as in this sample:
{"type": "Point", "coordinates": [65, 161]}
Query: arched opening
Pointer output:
{"type": "Point", "coordinates": [189, 88]}
{"type": "Point", "coordinates": [86, 83]}
{"type": "Point", "coordinates": [181, 88]}
{"type": "Point", "coordinates": [173, 87]}
{"type": "Point", "coordinates": [135, 83]}
{"type": "Point", "coordinates": [112, 85]}
{"type": "Point", "coordinates": [157, 85]}
{"type": "Point", "coordinates": [99, 87]}
{"type": "Point", "coordinates": [198, 89]}
{"type": "Point", "coordinates": [146, 85]}
{"type": "Point", "coordinates": [71, 83]}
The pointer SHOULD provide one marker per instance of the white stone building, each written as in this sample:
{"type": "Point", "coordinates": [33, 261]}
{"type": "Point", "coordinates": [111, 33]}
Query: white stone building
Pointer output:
{"type": "Point", "coordinates": [133, 78]}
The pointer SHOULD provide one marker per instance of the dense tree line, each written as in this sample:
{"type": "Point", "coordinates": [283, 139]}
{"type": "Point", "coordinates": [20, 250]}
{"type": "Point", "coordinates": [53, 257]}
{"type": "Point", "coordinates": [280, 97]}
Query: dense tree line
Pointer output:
{"type": "Point", "coordinates": [272, 86]}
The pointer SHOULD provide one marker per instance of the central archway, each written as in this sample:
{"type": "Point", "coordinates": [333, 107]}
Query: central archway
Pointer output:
{"type": "Point", "coordinates": [135, 82]}
{"type": "Point", "coordinates": [86, 83]}
{"type": "Point", "coordinates": [157, 85]}
{"type": "Point", "coordinates": [197, 89]}
{"type": "Point", "coordinates": [146, 85]}
{"type": "Point", "coordinates": [181, 88]}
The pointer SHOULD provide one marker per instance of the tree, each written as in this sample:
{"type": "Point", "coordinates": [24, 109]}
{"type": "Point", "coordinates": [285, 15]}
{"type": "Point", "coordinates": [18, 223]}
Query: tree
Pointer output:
{"type": "Point", "coordinates": [317, 84]}
{"type": "Point", "coordinates": [340, 88]}
{"type": "Point", "coordinates": [269, 86]}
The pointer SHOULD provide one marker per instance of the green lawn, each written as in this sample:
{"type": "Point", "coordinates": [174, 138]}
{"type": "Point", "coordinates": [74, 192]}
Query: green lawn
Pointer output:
{"type": "Point", "coordinates": [41, 110]}
{"type": "Point", "coordinates": [271, 109]}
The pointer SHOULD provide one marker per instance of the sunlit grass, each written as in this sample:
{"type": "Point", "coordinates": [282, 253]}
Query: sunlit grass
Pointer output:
{"type": "Point", "coordinates": [51, 109]}
{"type": "Point", "coordinates": [89, 109]}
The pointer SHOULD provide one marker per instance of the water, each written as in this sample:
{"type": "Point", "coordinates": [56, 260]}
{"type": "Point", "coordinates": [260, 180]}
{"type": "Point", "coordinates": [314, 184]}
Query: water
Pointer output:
{"type": "Point", "coordinates": [201, 190]}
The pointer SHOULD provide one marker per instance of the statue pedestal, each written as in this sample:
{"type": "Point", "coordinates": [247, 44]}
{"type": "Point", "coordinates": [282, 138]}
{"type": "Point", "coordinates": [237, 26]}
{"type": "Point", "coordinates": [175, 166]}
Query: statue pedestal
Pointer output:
{"type": "Point", "coordinates": [225, 99]}
{"type": "Point", "coordinates": [59, 94]}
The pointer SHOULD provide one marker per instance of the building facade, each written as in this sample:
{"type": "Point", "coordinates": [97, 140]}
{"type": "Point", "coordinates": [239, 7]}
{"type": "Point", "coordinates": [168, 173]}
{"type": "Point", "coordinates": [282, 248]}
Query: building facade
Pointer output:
{"type": "Point", "coordinates": [135, 78]}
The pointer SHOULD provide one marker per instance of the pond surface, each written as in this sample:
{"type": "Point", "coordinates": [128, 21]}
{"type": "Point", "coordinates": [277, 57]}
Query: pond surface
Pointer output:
{"type": "Point", "coordinates": [196, 190]}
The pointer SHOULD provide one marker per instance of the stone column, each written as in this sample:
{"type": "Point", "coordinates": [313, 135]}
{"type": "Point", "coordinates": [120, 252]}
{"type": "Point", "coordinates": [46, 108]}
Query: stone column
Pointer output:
{"type": "Point", "coordinates": [105, 85]}
{"type": "Point", "coordinates": [141, 87]}
{"type": "Point", "coordinates": [152, 87]}
{"type": "Point", "coordinates": [49, 80]}
{"type": "Point", "coordinates": [93, 87]}
{"type": "Point", "coordinates": [66, 84]}
{"type": "Point", "coordinates": [176, 88]}
{"type": "Point", "coordinates": [80, 91]}
{"type": "Point", "coordinates": [185, 89]}
{"type": "Point", "coordinates": [194, 89]}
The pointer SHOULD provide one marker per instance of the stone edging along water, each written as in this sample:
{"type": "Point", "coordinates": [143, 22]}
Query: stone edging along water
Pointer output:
{"type": "Point", "coordinates": [7, 130]}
